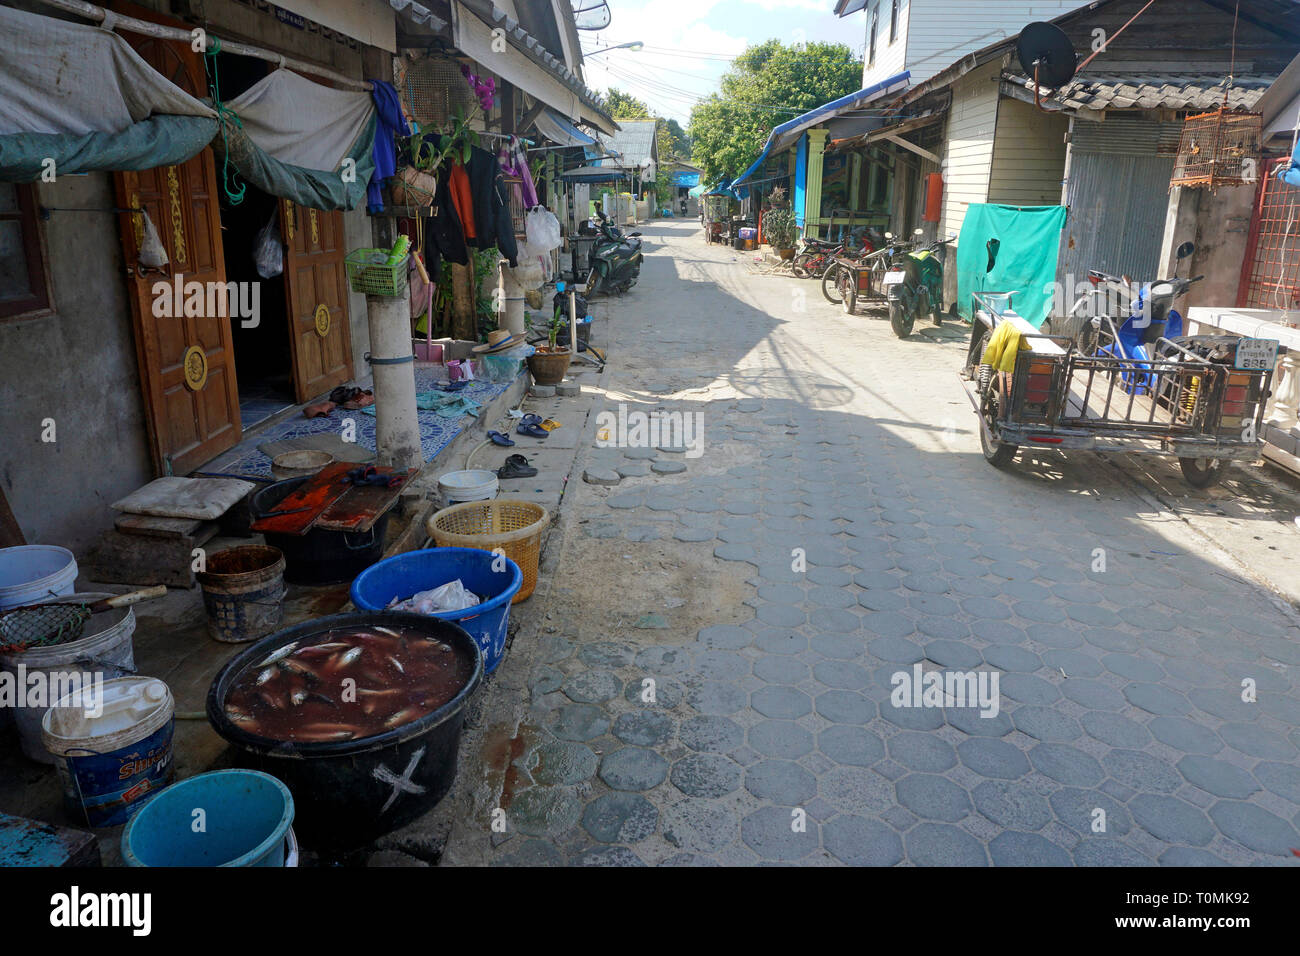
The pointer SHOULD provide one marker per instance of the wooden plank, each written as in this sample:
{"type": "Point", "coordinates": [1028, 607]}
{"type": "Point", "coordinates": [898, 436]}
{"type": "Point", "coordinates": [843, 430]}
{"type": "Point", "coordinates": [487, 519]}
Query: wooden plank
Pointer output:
{"type": "Point", "coordinates": [360, 507]}
{"type": "Point", "coordinates": [315, 495]}
{"type": "Point", "coordinates": [156, 526]}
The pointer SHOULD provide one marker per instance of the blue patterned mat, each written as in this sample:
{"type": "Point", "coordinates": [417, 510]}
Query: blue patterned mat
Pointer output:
{"type": "Point", "coordinates": [436, 432]}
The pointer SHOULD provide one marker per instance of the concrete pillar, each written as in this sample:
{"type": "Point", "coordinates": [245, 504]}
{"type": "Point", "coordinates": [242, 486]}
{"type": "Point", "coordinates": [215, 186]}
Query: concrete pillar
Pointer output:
{"type": "Point", "coordinates": [397, 432]}
{"type": "Point", "coordinates": [813, 181]}
{"type": "Point", "coordinates": [511, 314]}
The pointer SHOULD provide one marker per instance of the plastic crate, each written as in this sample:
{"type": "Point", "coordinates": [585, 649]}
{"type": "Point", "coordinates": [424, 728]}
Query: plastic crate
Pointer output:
{"type": "Point", "coordinates": [369, 272]}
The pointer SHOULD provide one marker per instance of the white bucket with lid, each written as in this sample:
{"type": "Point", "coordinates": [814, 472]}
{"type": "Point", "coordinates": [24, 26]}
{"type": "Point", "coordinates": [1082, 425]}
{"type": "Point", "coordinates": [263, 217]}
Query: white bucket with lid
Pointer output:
{"type": "Point", "coordinates": [41, 675]}
{"type": "Point", "coordinates": [458, 487]}
{"type": "Point", "coordinates": [112, 745]}
{"type": "Point", "coordinates": [34, 573]}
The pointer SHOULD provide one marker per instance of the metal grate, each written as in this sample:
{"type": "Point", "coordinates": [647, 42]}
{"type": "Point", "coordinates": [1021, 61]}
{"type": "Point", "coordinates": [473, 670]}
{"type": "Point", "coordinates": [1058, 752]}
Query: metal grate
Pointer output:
{"type": "Point", "coordinates": [432, 90]}
{"type": "Point", "coordinates": [514, 187]}
{"type": "Point", "coordinates": [1216, 149]}
{"type": "Point", "coordinates": [1271, 274]}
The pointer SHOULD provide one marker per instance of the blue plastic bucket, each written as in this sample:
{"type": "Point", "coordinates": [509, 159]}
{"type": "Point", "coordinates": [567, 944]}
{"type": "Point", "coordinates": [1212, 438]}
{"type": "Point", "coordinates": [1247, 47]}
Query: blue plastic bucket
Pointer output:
{"type": "Point", "coordinates": [245, 817]}
{"type": "Point", "coordinates": [407, 574]}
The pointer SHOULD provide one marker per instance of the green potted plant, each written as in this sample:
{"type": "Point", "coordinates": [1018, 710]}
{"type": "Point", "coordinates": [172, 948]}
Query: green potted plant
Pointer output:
{"type": "Point", "coordinates": [550, 362]}
{"type": "Point", "coordinates": [779, 225]}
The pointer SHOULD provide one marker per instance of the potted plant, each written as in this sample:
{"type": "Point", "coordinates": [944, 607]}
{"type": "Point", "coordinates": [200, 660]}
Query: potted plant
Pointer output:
{"type": "Point", "coordinates": [550, 362]}
{"type": "Point", "coordinates": [779, 225]}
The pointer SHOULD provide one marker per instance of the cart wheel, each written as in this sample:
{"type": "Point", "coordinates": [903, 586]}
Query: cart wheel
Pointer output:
{"type": "Point", "coordinates": [848, 294]}
{"type": "Point", "coordinates": [996, 453]}
{"type": "Point", "coordinates": [901, 323]}
{"type": "Point", "coordinates": [829, 284]}
{"type": "Point", "coordinates": [1202, 472]}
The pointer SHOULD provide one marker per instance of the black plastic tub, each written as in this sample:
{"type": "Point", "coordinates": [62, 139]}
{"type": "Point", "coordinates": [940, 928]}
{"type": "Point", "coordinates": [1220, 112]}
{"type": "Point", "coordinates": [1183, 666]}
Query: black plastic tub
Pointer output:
{"type": "Point", "coordinates": [349, 793]}
{"type": "Point", "coordinates": [319, 556]}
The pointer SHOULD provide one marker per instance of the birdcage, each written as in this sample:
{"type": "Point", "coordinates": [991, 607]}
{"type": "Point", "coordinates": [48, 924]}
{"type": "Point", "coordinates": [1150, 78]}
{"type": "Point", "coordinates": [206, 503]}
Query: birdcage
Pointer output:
{"type": "Point", "coordinates": [518, 215]}
{"type": "Point", "coordinates": [1220, 148]}
{"type": "Point", "coordinates": [433, 90]}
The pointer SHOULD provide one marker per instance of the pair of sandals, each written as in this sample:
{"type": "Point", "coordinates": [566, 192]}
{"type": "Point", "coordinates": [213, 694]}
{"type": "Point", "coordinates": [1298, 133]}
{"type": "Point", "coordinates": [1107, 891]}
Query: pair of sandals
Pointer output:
{"type": "Point", "coordinates": [516, 466]}
{"type": "Point", "coordinates": [531, 425]}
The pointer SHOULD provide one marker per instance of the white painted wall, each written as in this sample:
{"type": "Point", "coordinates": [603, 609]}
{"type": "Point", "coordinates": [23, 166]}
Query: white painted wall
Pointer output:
{"type": "Point", "coordinates": [1028, 156]}
{"type": "Point", "coordinates": [934, 34]}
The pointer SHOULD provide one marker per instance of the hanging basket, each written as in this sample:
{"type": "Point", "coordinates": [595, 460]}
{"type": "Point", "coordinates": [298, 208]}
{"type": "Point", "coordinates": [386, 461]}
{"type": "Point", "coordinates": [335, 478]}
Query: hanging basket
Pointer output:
{"type": "Point", "coordinates": [1220, 148]}
{"type": "Point", "coordinates": [413, 187]}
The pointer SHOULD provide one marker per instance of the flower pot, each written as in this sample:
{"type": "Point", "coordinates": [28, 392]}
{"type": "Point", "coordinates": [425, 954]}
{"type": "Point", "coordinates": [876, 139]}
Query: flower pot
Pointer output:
{"type": "Point", "coordinates": [548, 366]}
{"type": "Point", "coordinates": [785, 254]}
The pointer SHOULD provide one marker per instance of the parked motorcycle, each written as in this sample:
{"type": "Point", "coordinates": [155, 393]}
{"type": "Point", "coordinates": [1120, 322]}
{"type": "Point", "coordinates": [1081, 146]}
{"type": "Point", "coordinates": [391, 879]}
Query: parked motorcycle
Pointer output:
{"type": "Point", "coordinates": [914, 285]}
{"type": "Point", "coordinates": [615, 260]}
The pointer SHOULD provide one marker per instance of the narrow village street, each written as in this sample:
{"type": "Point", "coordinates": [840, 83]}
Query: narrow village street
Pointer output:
{"type": "Point", "coordinates": [705, 675]}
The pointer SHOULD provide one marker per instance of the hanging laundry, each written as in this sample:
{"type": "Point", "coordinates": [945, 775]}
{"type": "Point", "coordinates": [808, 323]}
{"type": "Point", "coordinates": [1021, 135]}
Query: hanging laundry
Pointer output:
{"type": "Point", "coordinates": [492, 222]}
{"type": "Point", "coordinates": [391, 124]}
{"type": "Point", "coordinates": [445, 234]}
{"type": "Point", "coordinates": [461, 196]}
{"type": "Point", "coordinates": [514, 162]}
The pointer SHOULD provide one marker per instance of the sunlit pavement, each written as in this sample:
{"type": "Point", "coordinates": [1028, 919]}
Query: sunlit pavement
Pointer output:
{"type": "Point", "coordinates": [712, 674]}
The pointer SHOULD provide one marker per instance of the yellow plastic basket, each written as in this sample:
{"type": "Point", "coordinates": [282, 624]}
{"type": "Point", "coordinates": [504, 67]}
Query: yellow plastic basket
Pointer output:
{"type": "Point", "coordinates": [512, 525]}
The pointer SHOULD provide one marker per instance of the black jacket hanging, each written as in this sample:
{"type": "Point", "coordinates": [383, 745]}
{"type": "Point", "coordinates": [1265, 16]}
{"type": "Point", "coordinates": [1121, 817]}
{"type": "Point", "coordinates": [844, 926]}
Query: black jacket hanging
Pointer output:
{"type": "Point", "coordinates": [444, 231]}
{"type": "Point", "coordinates": [492, 222]}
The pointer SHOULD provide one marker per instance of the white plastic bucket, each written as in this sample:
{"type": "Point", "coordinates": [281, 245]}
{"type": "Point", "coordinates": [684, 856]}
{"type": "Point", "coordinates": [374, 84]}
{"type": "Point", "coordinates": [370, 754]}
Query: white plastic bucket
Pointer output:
{"type": "Point", "coordinates": [458, 487]}
{"type": "Point", "coordinates": [105, 650]}
{"type": "Point", "coordinates": [34, 573]}
{"type": "Point", "coordinates": [112, 747]}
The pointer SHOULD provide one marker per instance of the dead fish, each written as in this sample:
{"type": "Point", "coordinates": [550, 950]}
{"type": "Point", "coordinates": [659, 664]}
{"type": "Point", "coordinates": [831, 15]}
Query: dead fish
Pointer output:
{"type": "Point", "coordinates": [238, 716]}
{"type": "Point", "coordinates": [299, 668]}
{"type": "Point", "coordinates": [388, 631]}
{"type": "Point", "coordinates": [401, 717]}
{"type": "Point", "coordinates": [322, 649]}
{"type": "Point", "coordinates": [398, 664]}
{"type": "Point", "coordinates": [298, 696]}
{"type": "Point", "coordinates": [269, 700]}
{"type": "Point", "coordinates": [444, 647]}
{"type": "Point", "coordinates": [316, 695]}
{"type": "Point", "coordinates": [279, 654]}
{"type": "Point", "coordinates": [323, 738]}
{"type": "Point", "coordinates": [349, 657]}
{"type": "Point", "coordinates": [265, 676]}
{"type": "Point", "coordinates": [385, 692]}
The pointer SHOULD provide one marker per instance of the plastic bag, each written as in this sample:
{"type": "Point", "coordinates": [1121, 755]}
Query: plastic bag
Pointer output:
{"type": "Point", "coordinates": [153, 254]}
{"type": "Point", "coordinates": [542, 230]}
{"type": "Point", "coordinates": [268, 251]}
{"type": "Point", "coordinates": [452, 596]}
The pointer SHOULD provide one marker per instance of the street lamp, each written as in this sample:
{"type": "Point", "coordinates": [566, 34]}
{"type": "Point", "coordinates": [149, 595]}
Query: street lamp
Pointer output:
{"type": "Point", "coordinates": [633, 46]}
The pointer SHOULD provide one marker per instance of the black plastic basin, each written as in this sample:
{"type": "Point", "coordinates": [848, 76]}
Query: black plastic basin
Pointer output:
{"type": "Point", "coordinates": [319, 556]}
{"type": "Point", "coordinates": [348, 793]}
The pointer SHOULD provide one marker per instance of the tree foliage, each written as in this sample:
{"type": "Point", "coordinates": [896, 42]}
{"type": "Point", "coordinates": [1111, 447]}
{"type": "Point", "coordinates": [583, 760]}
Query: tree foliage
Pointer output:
{"type": "Point", "coordinates": [767, 85]}
{"type": "Point", "coordinates": [622, 105]}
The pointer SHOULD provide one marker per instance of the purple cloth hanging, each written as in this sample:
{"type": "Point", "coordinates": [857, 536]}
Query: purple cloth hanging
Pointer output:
{"type": "Point", "coordinates": [514, 162]}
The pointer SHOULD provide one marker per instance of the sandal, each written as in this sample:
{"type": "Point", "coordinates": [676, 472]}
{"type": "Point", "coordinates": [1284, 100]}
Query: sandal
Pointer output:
{"type": "Point", "coordinates": [516, 466]}
{"type": "Point", "coordinates": [500, 439]}
{"type": "Point", "coordinates": [550, 424]}
{"type": "Point", "coordinates": [532, 430]}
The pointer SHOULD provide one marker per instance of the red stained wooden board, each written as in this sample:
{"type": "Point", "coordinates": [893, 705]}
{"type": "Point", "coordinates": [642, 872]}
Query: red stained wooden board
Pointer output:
{"type": "Point", "coordinates": [360, 508]}
{"type": "Point", "coordinates": [316, 494]}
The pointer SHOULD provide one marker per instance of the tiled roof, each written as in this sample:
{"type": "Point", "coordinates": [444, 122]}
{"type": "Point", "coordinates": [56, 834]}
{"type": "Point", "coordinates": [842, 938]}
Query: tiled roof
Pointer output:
{"type": "Point", "coordinates": [1149, 91]}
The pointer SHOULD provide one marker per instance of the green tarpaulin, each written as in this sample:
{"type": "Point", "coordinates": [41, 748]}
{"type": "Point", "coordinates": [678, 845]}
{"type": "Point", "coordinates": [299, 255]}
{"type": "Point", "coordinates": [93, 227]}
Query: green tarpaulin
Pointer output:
{"type": "Point", "coordinates": [1028, 240]}
{"type": "Point", "coordinates": [163, 140]}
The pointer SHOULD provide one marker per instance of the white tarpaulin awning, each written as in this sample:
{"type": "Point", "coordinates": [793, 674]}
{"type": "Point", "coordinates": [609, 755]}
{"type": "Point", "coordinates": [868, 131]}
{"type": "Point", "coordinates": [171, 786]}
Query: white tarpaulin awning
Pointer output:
{"type": "Point", "coordinates": [300, 122]}
{"type": "Point", "coordinates": [474, 38]}
{"type": "Point", "coordinates": [62, 77]}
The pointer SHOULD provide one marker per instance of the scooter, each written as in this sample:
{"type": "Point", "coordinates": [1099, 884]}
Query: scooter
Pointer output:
{"type": "Point", "coordinates": [914, 285]}
{"type": "Point", "coordinates": [615, 260]}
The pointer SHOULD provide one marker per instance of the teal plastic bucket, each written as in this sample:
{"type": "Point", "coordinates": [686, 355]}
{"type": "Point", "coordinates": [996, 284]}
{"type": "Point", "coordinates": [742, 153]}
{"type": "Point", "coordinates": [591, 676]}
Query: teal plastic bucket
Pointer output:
{"type": "Point", "coordinates": [223, 818]}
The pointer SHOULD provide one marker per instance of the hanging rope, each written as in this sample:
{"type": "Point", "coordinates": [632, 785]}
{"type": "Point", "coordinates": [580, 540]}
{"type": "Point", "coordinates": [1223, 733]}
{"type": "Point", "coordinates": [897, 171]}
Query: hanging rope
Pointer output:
{"type": "Point", "coordinates": [230, 183]}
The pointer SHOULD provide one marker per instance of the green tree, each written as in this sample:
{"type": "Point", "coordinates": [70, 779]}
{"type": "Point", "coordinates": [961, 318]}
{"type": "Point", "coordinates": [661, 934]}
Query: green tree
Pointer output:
{"type": "Point", "coordinates": [625, 106]}
{"type": "Point", "coordinates": [767, 85]}
{"type": "Point", "coordinates": [673, 141]}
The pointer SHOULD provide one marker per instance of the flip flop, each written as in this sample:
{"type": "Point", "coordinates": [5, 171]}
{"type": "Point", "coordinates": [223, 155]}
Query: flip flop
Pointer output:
{"type": "Point", "coordinates": [550, 424]}
{"type": "Point", "coordinates": [535, 431]}
{"type": "Point", "coordinates": [531, 419]}
{"type": "Point", "coordinates": [500, 439]}
{"type": "Point", "coordinates": [516, 466]}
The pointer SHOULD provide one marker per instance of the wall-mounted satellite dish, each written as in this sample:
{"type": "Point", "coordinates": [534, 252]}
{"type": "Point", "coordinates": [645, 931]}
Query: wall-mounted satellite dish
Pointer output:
{"type": "Point", "coordinates": [1047, 55]}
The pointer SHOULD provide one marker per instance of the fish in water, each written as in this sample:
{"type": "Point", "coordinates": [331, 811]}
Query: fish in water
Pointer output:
{"type": "Point", "coordinates": [279, 654]}
{"type": "Point", "coordinates": [350, 656]}
{"type": "Point", "coordinates": [385, 630]}
{"type": "Point", "coordinates": [396, 663]}
{"type": "Point", "coordinates": [265, 676]}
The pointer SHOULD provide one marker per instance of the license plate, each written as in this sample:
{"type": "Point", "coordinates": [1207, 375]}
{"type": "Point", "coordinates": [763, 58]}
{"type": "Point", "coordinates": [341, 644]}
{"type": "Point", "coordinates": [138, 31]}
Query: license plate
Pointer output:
{"type": "Point", "coordinates": [1256, 355]}
{"type": "Point", "coordinates": [893, 278]}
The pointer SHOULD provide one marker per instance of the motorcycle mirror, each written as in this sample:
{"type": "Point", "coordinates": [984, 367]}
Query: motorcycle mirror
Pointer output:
{"type": "Point", "coordinates": [918, 231]}
{"type": "Point", "coordinates": [889, 235]}
{"type": "Point", "coordinates": [993, 245]}
{"type": "Point", "coordinates": [1186, 249]}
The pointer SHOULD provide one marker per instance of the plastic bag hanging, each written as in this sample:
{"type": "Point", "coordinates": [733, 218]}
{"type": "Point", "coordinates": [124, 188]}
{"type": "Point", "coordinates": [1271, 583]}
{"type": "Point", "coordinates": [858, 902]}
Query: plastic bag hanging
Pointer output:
{"type": "Point", "coordinates": [268, 250]}
{"type": "Point", "coordinates": [153, 254]}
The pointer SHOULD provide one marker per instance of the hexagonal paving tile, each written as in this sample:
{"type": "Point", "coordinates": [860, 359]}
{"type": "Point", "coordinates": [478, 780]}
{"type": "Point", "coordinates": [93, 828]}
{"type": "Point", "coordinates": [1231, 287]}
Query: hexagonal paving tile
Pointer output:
{"type": "Point", "coordinates": [932, 797]}
{"type": "Point", "coordinates": [633, 768]}
{"type": "Point", "coordinates": [620, 818]}
{"type": "Point", "coordinates": [859, 841]}
{"type": "Point", "coordinates": [706, 775]}
{"type": "Point", "coordinates": [781, 782]}
{"type": "Point", "coordinates": [769, 834]}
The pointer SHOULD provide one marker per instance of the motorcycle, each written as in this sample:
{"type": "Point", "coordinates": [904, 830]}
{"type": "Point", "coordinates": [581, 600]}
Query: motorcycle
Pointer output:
{"type": "Point", "coordinates": [914, 285]}
{"type": "Point", "coordinates": [615, 260]}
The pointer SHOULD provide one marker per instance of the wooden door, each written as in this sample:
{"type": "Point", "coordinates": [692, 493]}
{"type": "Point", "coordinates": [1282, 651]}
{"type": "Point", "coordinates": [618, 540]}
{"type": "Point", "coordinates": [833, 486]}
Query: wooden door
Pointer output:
{"type": "Point", "coordinates": [316, 288]}
{"type": "Point", "coordinates": [187, 362]}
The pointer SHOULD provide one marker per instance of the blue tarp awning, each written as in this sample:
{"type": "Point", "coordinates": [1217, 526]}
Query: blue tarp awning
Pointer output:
{"type": "Point", "coordinates": [558, 129]}
{"type": "Point", "coordinates": [686, 179]}
{"type": "Point", "coordinates": [789, 132]}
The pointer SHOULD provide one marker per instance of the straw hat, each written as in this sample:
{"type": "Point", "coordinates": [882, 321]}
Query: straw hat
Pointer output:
{"type": "Point", "coordinates": [499, 341]}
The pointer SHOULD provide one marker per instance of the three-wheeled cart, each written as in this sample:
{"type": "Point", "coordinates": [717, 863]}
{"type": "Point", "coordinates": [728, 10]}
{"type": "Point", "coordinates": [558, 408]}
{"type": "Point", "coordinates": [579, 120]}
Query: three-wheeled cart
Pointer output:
{"type": "Point", "coordinates": [859, 279]}
{"type": "Point", "coordinates": [1199, 399]}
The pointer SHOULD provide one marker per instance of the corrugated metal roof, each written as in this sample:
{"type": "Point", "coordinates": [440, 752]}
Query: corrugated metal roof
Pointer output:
{"type": "Point", "coordinates": [1151, 91]}
{"type": "Point", "coordinates": [634, 141]}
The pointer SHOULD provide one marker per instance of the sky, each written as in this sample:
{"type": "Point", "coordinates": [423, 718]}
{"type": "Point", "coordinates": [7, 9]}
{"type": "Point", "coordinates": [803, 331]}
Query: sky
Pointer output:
{"type": "Point", "coordinates": [689, 44]}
